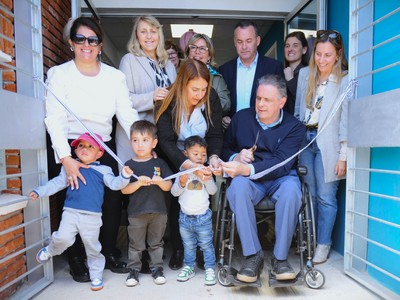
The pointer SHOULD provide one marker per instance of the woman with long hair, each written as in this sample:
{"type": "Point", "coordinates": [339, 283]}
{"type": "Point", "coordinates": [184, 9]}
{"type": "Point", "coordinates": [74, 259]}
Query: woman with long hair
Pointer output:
{"type": "Point", "coordinates": [191, 107]}
{"type": "Point", "coordinates": [319, 88]}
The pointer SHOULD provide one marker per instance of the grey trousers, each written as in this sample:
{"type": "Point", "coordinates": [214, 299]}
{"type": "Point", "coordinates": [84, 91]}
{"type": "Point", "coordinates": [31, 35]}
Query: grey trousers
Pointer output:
{"type": "Point", "coordinates": [88, 227]}
{"type": "Point", "coordinates": [243, 194]}
{"type": "Point", "coordinates": [148, 228]}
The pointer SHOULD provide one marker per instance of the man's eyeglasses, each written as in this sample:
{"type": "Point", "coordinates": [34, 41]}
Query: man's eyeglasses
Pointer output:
{"type": "Point", "coordinates": [80, 40]}
{"type": "Point", "coordinates": [172, 54]}
{"type": "Point", "coordinates": [331, 34]}
{"type": "Point", "coordinates": [202, 49]}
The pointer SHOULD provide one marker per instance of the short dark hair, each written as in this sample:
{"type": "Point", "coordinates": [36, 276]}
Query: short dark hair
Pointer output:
{"type": "Point", "coordinates": [247, 23]}
{"type": "Point", "coordinates": [144, 126]}
{"type": "Point", "coordinates": [275, 80]}
{"type": "Point", "coordinates": [193, 141]}
{"type": "Point", "coordinates": [89, 23]}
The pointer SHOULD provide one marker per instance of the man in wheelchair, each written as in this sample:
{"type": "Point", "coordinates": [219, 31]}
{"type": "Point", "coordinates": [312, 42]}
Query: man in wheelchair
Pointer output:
{"type": "Point", "coordinates": [258, 138]}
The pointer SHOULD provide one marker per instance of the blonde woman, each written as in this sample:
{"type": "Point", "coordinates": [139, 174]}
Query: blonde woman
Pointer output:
{"type": "Point", "coordinates": [319, 87]}
{"type": "Point", "coordinates": [148, 73]}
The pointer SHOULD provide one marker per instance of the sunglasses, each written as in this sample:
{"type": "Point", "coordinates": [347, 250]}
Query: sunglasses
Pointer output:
{"type": "Point", "coordinates": [202, 49]}
{"type": "Point", "coordinates": [80, 40]}
{"type": "Point", "coordinates": [330, 34]}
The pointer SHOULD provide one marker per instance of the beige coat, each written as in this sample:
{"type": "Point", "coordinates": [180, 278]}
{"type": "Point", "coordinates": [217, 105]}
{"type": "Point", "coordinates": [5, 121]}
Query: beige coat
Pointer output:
{"type": "Point", "coordinates": [336, 132]}
{"type": "Point", "coordinates": [141, 81]}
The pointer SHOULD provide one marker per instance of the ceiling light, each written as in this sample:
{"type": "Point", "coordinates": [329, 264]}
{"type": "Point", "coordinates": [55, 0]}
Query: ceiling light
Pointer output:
{"type": "Point", "coordinates": [179, 29]}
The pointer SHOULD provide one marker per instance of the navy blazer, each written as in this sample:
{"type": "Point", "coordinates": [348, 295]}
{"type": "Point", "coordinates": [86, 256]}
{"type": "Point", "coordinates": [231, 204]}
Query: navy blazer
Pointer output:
{"type": "Point", "coordinates": [265, 65]}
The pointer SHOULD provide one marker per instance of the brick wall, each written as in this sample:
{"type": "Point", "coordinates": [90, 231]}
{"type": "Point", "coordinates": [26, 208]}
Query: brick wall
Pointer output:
{"type": "Point", "coordinates": [14, 240]}
{"type": "Point", "coordinates": [55, 14]}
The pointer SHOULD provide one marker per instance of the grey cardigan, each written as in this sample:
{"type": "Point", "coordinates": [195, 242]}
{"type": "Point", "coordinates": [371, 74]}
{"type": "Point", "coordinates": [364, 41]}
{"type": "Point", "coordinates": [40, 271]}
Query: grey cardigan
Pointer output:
{"type": "Point", "coordinates": [141, 81]}
{"type": "Point", "coordinates": [336, 132]}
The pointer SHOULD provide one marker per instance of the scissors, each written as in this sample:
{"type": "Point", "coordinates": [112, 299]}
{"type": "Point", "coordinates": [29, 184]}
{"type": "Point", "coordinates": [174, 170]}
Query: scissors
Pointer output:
{"type": "Point", "coordinates": [254, 147]}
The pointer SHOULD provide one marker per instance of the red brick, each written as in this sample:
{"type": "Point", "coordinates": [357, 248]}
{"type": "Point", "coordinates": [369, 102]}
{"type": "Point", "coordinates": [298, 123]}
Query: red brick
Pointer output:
{"type": "Point", "coordinates": [14, 183]}
{"type": "Point", "coordinates": [12, 160]}
{"type": "Point", "coordinates": [11, 235]}
{"type": "Point", "coordinates": [11, 171]}
{"type": "Point", "coordinates": [10, 220]}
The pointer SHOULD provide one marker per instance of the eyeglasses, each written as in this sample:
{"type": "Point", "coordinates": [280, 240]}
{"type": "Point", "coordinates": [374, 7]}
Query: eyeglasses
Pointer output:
{"type": "Point", "coordinates": [202, 49]}
{"type": "Point", "coordinates": [80, 40]}
{"type": "Point", "coordinates": [331, 34]}
{"type": "Point", "coordinates": [172, 54]}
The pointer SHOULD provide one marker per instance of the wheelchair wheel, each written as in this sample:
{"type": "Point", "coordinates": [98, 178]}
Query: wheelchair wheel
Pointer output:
{"type": "Point", "coordinates": [314, 278]}
{"type": "Point", "coordinates": [222, 276]}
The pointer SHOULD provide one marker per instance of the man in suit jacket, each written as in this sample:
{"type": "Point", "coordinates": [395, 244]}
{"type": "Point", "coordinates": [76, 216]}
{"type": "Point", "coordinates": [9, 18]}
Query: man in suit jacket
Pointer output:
{"type": "Point", "coordinates": [247, 68]}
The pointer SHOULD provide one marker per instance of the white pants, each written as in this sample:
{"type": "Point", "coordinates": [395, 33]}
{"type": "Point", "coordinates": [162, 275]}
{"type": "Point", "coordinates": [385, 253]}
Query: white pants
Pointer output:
{"type": "Point", "coordinates": [88, 226]}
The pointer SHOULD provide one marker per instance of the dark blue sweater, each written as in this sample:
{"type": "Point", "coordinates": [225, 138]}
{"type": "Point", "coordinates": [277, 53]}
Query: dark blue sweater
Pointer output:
{"type": "Point", "coordinates": [274, 144]}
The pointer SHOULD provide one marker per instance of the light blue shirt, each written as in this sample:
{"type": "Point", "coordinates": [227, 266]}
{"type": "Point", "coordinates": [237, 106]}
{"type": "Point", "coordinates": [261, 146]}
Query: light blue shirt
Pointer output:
{"type": "Point", "coordinates": [244, 83]}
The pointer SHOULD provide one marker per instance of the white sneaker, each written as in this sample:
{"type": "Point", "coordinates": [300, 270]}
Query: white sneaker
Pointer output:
{"type": "Point", "coordinates": [321, 254]}
{"type": "Point", "coordinates": [43, 255]}
{"type": "Point", "coordinates": [210, 278]}
{"type": "Point", "coordinates": [185, 274]}
{"type": "Point", "coordinates": [96, 284]}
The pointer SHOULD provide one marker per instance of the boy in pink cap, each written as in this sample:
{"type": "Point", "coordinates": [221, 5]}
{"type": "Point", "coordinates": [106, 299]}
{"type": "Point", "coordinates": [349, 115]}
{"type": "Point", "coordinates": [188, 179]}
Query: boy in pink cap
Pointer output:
{"type": "Point", "coordinates": [82, 207]}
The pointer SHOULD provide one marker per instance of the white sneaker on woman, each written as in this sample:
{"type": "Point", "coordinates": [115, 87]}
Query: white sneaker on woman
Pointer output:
{"type": "Point", "coordinates": [321, 254]}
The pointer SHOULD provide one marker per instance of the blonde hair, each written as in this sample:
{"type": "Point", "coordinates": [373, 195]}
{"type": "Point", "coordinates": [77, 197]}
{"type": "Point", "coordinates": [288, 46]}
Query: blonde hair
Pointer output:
{"type": "Point", "coordinates": [190, 70]}
{"type": "Point", "coordinates": [209, 43]}
{"type": "Point", "coordinates": [134, 47]}
{"type": "Point", "coordinates": [339, 68]}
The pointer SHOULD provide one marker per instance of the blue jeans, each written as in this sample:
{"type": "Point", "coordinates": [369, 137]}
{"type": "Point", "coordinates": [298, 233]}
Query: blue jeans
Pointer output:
{"type": "Point", "coordinates": [323, 194]}
{"type": "Point", "coordinates": [197, 230]}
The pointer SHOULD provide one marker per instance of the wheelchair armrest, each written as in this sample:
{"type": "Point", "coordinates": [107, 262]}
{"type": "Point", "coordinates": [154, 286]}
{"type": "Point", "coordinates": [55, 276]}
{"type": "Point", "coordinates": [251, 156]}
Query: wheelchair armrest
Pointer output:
{"type": "Point", "coordinates": [301, 170]}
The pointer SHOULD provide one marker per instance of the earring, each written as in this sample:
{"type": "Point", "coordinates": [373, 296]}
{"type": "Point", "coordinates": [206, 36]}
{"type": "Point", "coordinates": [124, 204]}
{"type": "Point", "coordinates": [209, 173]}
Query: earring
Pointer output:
{"type": "Point", "coordinates": [99, 53]}
{"type": "Point", "coordinates": [209, 60]}
{"type": "Point", "coordinates": [71, 48]}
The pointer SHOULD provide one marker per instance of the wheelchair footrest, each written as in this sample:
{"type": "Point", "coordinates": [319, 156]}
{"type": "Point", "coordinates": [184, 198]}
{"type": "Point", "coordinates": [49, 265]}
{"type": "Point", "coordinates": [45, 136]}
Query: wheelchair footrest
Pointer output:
{"type": "Point", "coordinates": [236, 282]}
{"type": "Point", "coordinates": [273, 282]}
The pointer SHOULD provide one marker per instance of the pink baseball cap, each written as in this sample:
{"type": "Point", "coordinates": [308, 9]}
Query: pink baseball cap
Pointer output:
{"type": "Point", "coordinates": [87, 137]}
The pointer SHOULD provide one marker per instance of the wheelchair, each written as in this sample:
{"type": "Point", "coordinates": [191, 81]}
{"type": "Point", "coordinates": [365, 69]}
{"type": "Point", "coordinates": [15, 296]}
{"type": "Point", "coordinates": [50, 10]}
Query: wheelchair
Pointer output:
{"type": "Point", "coordinates": [224, 240]}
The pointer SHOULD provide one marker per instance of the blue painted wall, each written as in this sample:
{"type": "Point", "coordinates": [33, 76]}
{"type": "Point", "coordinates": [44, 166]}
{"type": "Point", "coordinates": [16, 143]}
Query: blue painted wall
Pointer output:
{"type": "Point", "coordinates": [385, 158]}
{"type": "Point", "coordinates": [338, 19]}
{"type": "Point", "coordinates": [276, 33]}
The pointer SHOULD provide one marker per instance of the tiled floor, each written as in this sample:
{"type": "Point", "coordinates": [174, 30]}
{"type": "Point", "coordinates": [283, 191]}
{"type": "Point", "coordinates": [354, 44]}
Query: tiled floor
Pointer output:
{"type": "Point", "coordinates": [338, 286]}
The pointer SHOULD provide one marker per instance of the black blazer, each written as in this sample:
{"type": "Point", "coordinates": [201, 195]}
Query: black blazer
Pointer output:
{"type": "Point", "coordinates": [265, 65]}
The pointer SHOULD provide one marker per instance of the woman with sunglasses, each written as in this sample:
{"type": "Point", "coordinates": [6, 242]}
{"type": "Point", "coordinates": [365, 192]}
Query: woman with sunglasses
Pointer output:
{"type": "Point", "coordinates": [148, 72]}
{"type": "Point", "coordinates": [200, 47]}
{"type": "Point", "coordinates": [296, 49]}
{"type": "Point", "coordinates": [95, 92]}
{"type": "Point", "coordinates": [319, 88]}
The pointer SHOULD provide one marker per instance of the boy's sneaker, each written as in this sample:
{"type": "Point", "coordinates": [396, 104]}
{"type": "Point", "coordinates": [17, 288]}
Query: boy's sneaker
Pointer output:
{"type": "Point", "coordinates": [43, 255]}
{"type": "Point", "coordinates": [158, 275]}
{"type": "Point", "coordinates": [133, 278]}
{"type": "Point", "coordinates": [96, 284]}
{"type": "Point", "coordinates": [185, 274]}
{"type": "Point", "coordinates": [210, 278]}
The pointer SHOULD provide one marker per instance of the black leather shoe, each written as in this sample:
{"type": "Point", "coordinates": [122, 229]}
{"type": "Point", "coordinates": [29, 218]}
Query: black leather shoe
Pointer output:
{"type": "Point", "coordinates": [282, 270]}
{"type": "Point", "coordinates": [78, 270]}
{"type": "Point", "coordinates": [199, 259]}
{"type": "Point", "coordinates": [252, 268]}
{"type": "Point", "coordinates": [115, 265]}
{"type": "Point", "coordinates": [176, 261]}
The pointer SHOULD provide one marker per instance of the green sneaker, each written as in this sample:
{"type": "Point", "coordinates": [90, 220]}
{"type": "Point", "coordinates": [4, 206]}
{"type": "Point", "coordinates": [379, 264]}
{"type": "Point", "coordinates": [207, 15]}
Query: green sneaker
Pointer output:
{"type": "Point", "coordinates": [210, 278]}
{"type": "Point", "coordinates": [185, 274]}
